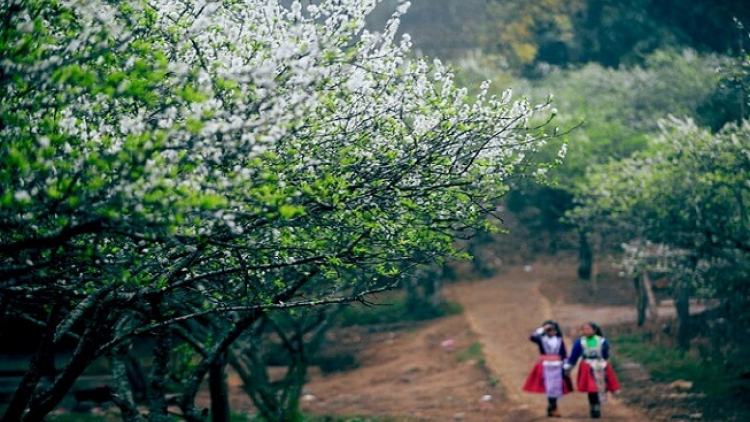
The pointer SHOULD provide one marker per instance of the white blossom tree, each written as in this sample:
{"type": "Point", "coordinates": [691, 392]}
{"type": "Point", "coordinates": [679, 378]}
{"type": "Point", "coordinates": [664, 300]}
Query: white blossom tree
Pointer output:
{"type": "Point", "coordinates": [167, 163]}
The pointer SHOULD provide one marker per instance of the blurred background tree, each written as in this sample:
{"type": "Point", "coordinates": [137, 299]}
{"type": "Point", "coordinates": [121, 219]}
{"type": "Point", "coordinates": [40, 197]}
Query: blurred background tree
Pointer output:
{"type": "Point", "coordinates": [532, 35]}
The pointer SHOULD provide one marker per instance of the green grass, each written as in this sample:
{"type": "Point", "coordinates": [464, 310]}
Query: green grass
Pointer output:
{"type": "Point", "coordinates": [666, 364]}
{"type": "Point", "coordinates": [473, 352]}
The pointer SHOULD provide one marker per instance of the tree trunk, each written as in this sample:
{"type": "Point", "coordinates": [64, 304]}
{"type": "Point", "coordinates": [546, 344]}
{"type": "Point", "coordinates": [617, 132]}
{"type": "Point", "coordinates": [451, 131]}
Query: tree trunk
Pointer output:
{"type": "Point", "coordinates": [592, 39]}
{"type": "Point", "coordinates": [295, 382]}
{"type": "Point", "coordinates": [218, 390]}
{"type": "Point", "coordinates": [41, 364]}
{"type": "Point", "coordinates": [596, 248]}
{"type": "Point", "coordinates": [124, 394]}
{"type": "Point", "coordinates": [682, 306]}
{"type": "Point", "coordinates": [157, 379]}
{"type": "Point", "coordinates": [433, 285]}
{"type": "Point", "coordinates": [45, 401]}
{"type": "Point", "coordinates": [26, 387]}
{"type": "Point", "coordinates": [435, 292]}
{"type": "Point", "coordinates": [193, 384]}
{"type": "Point", "coordinates": [641, 301]}
{"type": "Point", "coordinates": [412, 294]}
{"type": "Point", "coordinates": [585, 255]}
{"type": "Point", "coordinates": [135, 376]}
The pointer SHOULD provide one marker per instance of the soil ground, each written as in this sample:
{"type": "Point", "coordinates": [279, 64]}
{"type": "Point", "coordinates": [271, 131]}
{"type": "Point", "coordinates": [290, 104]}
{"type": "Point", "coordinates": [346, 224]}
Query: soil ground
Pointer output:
{"type": "Point", "coordinates": [432, 371]}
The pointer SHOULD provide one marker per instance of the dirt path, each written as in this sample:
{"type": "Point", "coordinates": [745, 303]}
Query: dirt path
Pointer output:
{"type": "Point", "coordinates": [503, 311]}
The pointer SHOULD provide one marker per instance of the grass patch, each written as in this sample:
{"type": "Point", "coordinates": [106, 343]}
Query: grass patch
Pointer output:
{"type": "Point", "coordinates": [666, 364]}
{"type": "Point", "coordinates": [473, 352]}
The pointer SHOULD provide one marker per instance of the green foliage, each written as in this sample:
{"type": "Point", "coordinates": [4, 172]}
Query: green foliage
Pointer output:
{"type": "Point", "coordinates": [618, 108]}
{"type": "Point", "coordinates": [607, 115]}
{"type": "Point", "coordinates": [551, 203]}
{"type": "Point", "coordinates": [690, 192]}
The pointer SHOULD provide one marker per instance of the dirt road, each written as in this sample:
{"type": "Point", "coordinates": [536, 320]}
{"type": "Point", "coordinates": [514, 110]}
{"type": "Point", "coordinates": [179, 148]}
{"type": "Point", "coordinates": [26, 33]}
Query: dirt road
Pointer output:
{"type": "Point", "coordinates": [503, 311]}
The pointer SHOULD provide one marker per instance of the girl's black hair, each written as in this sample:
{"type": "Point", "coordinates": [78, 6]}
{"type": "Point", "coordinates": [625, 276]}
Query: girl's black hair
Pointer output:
{"type": "Point", "coordinates": [554, 324]}
{"type": "Point", "coordinates": [597, 328]}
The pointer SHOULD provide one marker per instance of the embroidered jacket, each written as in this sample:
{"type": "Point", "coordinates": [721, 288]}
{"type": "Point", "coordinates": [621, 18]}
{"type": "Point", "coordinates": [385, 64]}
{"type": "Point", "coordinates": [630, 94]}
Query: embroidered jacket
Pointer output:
{"type": "Point", "coordinates": [582, 349]}
{"type": "Point", "coordinates": [555, 347]}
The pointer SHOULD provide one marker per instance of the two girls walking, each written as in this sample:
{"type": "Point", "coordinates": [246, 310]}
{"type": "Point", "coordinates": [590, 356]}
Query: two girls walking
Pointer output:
{"type": "Point", "coordinates": [550, 374]}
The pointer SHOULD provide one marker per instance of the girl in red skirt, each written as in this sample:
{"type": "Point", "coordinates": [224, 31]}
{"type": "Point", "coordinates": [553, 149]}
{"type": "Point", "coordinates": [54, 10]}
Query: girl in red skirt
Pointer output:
{"type": "Point", "coordinates": [547, 376]}
{"type": "Point", "coordinates": [595, 374]}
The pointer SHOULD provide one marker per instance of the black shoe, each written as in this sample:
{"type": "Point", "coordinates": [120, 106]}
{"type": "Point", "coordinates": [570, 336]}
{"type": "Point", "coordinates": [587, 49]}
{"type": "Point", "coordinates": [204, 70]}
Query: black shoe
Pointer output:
{"type": "Point", "coordinates": [552, 412]}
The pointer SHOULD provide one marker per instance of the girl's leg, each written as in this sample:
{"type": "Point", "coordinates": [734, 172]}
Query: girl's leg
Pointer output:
{"type": "Point", "coordinates": [595, 406]}
{"type": "Point", "coordinates": [552, 407]}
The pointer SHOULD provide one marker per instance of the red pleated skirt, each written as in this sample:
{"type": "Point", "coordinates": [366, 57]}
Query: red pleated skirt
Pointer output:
{"type": "Point", "coordinates": [535, 380]}
{"type": "Point", "coordinates": [586, 382]}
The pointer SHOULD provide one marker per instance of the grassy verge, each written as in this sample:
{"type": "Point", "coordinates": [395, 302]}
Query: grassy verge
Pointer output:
{"type": "Point", "coordinates": [667, 364]}
{"type": "Point", "coordinates": [664, 364]}
{"type": "Point", "coordinates": [474, 353]}
{"type": "Point", "coordinates": [717, 393]}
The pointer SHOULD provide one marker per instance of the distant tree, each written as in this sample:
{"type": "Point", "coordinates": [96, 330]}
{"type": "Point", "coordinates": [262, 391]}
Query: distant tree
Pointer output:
{"type": "Point", "coordinates": [528, 32]}
{"type": "Point", "coordinates": [610, 33]}
{"type": "Point", "coordinates": [617, 110]}
{"type": "Point", "coordinates": [608, 115]}
{"type": "Point", "coordinates": [731, 103]}
{"type": "Point", "coordinates": [690, 194]}
{"type": "Point", "coordinates": [174, 165]}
